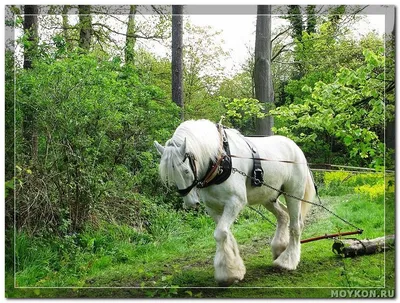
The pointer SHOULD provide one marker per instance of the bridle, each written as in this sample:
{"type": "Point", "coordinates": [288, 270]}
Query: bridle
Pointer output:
{"type": "Point", "coordinates": [192, 163]}
{"type": "Point", "coordinates": [213, 171]}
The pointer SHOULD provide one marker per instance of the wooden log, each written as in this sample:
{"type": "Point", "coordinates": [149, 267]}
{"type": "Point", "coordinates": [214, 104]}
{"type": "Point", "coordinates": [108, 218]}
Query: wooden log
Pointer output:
{"type": "Point", "coordinates": [354, 247]}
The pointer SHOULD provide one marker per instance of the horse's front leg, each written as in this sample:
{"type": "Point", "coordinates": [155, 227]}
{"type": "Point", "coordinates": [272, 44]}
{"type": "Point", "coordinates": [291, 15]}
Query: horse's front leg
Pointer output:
{"type": "Point", "coordinates": [228, 264]}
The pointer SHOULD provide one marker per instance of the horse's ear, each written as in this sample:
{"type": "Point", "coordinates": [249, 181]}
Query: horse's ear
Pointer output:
{"type": "Point", "coordinates": [182, 148]}
{"type": "Point", "coordinates": [159, 147]}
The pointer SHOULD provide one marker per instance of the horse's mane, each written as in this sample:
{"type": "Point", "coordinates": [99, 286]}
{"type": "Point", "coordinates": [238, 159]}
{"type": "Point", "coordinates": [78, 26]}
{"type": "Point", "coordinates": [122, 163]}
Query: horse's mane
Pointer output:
{"type": "Point", "coordinates": [202, 140]}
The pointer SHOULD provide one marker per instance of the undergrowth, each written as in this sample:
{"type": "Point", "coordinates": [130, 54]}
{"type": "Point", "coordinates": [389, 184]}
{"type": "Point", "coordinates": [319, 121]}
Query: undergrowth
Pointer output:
{"type": "Point", "coordinates": [174, 250]}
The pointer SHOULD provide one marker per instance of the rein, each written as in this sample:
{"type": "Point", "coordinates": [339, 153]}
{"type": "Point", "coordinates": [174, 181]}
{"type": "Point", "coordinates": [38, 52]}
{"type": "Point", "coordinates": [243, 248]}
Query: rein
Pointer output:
{"type": "Point", "coordinates": [265, 159]}
{"type": "Point", "coordinates": [322, 166]}
{"type": "Point", "coordinates": [224, 157]}
{"type": "Point", "coordinates": [358, 230]}
{"type": "Point", "coordinates": [216, 170]}
{"type": "Point", "coordinates": [213, 174]}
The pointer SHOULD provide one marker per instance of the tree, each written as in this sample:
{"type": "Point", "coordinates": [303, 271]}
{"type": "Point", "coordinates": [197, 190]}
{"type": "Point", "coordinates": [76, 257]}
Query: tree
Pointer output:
{"type": "Point", "coordinates": [335, 16]}
{"type": "Point", "coordinates": [348, 109]}
{"type": "Point", "coordinates": [296, 21]}
{"type": "Point", "coordinates": [85, 24]}
{"type": "Point", "coordinates": [177, 71]}
{"type": "Point", "coordinates": [311, 19]}
{"type": "Point", "coordinates": [65, 27]}
{"type": "Point", "coordinates": [390, 127]}
{"type": "Point", "coordinates": [203, 71]}
{"type": "Point", "coordinates": [112, 29]}
{"type": "Point", "coordinates": [264, 91]}
{"type": "Point", "coordinates": [130, 38]}
{"type": "Point", "coordinates": [31, 41]}
{"type": "Point", "coordinates": [322, 54]}
{"type": "Point", "coordinates": [202, 56]}
{"type": "Point", "coordinates": [31, 32]}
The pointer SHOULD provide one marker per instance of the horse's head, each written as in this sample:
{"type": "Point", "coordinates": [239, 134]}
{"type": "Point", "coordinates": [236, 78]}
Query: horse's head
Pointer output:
{"type": "Point", "coordinates": [179, 168]}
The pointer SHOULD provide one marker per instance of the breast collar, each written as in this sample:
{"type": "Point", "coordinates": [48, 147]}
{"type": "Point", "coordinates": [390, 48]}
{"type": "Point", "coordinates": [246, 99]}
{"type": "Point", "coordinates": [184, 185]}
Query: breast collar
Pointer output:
{"type": "Point", "coordinates": [217, 172]}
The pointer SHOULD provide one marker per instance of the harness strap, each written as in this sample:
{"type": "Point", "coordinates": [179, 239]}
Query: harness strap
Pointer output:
{"type": "Point", "coordinates": [258, 172]}
{"type": "Point", "coordinates": [221, 169]}
{"type": "Point", "coordinates": [212, 172]}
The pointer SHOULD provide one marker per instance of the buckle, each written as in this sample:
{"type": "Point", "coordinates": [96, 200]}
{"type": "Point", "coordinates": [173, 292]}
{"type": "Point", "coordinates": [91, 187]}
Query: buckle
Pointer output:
{"type": "Point", "coordinates": [258, 176]}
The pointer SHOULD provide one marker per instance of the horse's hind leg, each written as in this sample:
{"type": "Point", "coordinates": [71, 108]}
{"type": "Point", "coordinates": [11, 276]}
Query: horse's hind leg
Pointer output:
{"type": "Point", "coordinates": [228, 264]}
{"type": "Point", "coordinates": [290, 258]}
{"type": "Point", "coordinates": [281, 237]}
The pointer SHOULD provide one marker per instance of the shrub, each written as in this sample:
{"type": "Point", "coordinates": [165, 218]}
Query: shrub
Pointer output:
{"type": "Point", "coordinates": [95, 123]}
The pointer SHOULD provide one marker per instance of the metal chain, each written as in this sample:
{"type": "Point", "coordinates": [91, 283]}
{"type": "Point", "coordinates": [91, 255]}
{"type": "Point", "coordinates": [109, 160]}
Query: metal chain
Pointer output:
{"type": "Point", "coordinates": [262, 215]}
{"type": "Point", "coordinates": [235, 170]}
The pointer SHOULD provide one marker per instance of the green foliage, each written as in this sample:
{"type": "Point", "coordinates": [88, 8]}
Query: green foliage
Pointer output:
{"type": "Point", "coordinates": [311, 18]}
{"type": "Point", "coordinates": [202, 56]}
{"type": "Point", "coordinates": [239, 86]}
{"type": "Point", "coordinates": [242, 112]}
{"type": "Point", "coordinates": [348, 109]}
{"type": "Point", "coordinates": [9, 114]}
{"type": "Point", "coordinates": [203, 71]}
{"type": "Point", "coordinates": [168, 263]}
{"type": "Point", "coordinates": [295, 19]}
{"type": "Point", "coordinates": [371, 185]}
{"type": "Point", "coordinates": [153, 70]}
{"type": "Point", "coordinates": [204, 106]}
{"type": "Point", "coordinates": [96, 122]}
{"type": "Point", "coordinates": [91, 210]}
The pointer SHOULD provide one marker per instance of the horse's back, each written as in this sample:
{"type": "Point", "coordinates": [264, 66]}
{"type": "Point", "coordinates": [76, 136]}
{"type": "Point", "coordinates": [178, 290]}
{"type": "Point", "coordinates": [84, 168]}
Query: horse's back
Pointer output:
{"type": "Point", "coordinates": [277, 147]}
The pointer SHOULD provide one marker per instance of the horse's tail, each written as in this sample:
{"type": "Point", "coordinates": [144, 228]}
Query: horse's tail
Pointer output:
{"type": "Point", "coordinates": [309, 195]}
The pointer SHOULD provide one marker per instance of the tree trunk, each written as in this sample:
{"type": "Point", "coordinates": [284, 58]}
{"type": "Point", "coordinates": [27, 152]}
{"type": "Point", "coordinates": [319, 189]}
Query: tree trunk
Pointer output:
{"type": "Point", "coordinates": [85, 24]}
{"type": "Point", "coordinates": [130, 39]}
{"type": "Point", "coordinates": [264, 91]}
{"type": "Point", "coordinates": [390, 127]}
{"type": "Point", "coordinates": [296, 22]}
{"type": "Point", "coordinates": [352, 248]}
{"type": "Point", "coordinates": [311, 19]}
{"type": "Point", "coordinates": [177, 70]}
{"type": "Point", "coordinates": [65, 25]}
{"type": "Point", "coordinates": [31, 30]}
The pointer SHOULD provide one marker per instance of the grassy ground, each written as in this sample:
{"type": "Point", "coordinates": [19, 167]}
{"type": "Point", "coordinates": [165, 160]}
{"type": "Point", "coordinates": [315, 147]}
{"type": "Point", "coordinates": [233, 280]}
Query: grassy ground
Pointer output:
{"type": "Point", "coordinates": [177, 260]}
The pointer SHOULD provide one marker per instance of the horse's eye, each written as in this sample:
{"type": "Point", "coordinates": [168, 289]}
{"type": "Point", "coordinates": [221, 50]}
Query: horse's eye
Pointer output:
{"type": "Point", "coordinates": [186, 171]}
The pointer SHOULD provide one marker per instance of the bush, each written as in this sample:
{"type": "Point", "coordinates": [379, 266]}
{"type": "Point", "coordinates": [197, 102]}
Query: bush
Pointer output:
{"type": "Point", "coordinates": [370, 184]}
{"type": "Point", "coordinates": [95, 123]}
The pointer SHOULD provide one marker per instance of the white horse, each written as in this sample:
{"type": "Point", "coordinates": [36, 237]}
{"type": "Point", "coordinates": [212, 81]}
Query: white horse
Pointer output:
{"type": "Point", "coordinates": [185, 162]}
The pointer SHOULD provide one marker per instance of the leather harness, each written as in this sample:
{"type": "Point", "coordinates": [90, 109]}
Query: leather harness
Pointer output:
{"type": "Point", "coordinates": [220, 170]}
{"type": "Point", "coordinates": [217, 171]}
{"type": "Point", "coordinates": [257, 172]}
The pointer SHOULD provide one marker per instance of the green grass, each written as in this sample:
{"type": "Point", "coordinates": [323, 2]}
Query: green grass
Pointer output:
{"type": "Point", "coordinates": [175, 257]}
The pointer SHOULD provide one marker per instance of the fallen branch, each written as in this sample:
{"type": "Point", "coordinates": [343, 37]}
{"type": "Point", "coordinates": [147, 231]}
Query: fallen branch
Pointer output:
{"type": "Point", "coordinates": [354, 247]}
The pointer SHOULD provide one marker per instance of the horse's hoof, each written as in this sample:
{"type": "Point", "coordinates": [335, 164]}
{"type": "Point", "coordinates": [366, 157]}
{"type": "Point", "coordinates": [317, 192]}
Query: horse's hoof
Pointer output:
{"type": "Point", "coordinates": [226, 283]}
{"type": "Point", "coordinates": [284, 265]}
